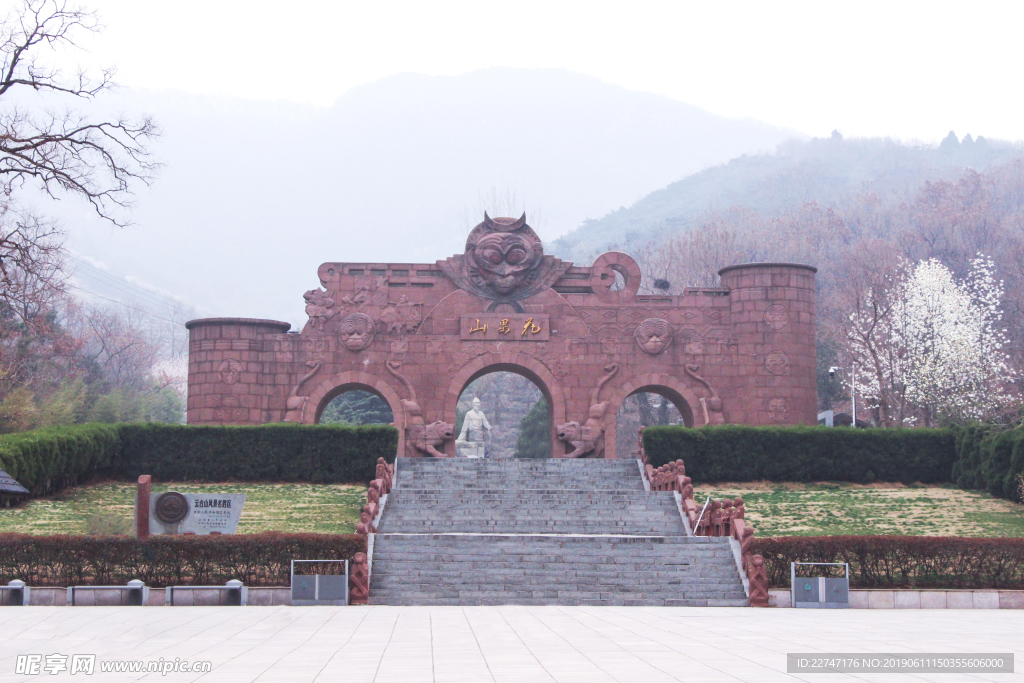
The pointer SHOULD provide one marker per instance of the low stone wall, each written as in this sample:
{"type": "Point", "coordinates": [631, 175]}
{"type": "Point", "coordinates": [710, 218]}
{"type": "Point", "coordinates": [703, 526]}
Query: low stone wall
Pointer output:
{"type": "Point", "coordinates": [182, 597]}
{"type": "Point", "coordinates": [919, 599]}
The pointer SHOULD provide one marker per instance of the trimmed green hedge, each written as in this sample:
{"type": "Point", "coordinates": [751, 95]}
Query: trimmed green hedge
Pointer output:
{"type": "Point", "coordinates": [990, 459]}
{"type": "Point", "coordinates": [255, 559]}
{"type": "Point", "coordinates": [739, 453]}
{"type": "Point", "coordinates": [49, 459]}
{"type": "Point", "coordinates": [901, 561]}
{"type": "Point", "coordinates": [279, 452]}
{"type": "Point", "coordinates": [44, 460]}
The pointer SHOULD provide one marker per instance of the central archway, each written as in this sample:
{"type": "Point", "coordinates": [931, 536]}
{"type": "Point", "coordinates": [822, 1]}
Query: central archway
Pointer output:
{"type": "Point", "coordinates": [516, 363]}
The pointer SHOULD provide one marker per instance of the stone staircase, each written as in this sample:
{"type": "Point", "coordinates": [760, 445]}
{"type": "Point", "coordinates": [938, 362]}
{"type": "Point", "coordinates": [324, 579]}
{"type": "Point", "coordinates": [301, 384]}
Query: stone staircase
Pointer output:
{"type": "Point", "coordinates": [541, 532]}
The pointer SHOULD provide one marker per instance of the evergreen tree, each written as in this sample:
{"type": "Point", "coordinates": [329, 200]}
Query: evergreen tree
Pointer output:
{"type": "Point", "coordinates": [535, 432]}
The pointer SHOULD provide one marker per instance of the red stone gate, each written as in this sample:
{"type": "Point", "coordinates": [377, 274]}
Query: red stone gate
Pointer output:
{"type": "Point", "coordinates": [417, 334]}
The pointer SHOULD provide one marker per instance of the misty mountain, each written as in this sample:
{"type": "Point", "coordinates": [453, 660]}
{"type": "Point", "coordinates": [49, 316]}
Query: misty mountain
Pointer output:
{"type": "Point", "coordinates": [255, 195]}
{"type": "Point", "coordinates": [822, 170]}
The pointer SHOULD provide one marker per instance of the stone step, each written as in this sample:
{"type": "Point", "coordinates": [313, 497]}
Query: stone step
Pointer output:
{"type": "Point", "coordinates": [551, 532]}
{"type": "Point", "coordinates": [567, 602]}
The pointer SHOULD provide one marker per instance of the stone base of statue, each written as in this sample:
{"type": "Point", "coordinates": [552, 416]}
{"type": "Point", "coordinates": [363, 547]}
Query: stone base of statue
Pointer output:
{"type": "Point", "coordinates": [470, 449]}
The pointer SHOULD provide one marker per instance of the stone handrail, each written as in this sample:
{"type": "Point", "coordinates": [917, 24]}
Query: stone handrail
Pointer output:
{"type": "Point", "coordinates": [722, 518]}
{"type": "Point", "coordinates": [376, 496]}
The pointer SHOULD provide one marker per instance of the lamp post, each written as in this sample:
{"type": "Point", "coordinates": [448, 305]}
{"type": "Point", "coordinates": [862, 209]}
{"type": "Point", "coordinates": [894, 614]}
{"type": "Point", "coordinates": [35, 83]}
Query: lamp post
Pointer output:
{"type": "Point", "coordinates": [853, 387]}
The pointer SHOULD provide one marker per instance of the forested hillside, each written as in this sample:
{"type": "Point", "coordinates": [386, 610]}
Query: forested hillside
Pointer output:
{"type": "Point", "coordinates": [920, 251]}
{"type": "Point", "coordinates": [822, 170]}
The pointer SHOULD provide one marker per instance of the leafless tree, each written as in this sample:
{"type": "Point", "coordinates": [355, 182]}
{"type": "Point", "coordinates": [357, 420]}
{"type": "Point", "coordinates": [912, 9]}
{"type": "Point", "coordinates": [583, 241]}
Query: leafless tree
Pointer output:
{"type": "Point", "coordinates": [48, 142]}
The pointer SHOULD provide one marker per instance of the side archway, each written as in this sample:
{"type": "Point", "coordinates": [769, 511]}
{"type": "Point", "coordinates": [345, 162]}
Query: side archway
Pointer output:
{"type": "Point", "coordinates": [338, 384]}
{"type": "Point", "coordinates": [520, 364]}
{"type": "Point", "coordinates": [668, 386]}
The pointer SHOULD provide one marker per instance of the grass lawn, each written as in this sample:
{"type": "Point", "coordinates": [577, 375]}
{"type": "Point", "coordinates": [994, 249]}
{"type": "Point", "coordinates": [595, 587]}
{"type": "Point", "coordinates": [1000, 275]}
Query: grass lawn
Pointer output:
{"type": "Point", "coordinates": [773, 509]}
{"type": "Point", "coordinates": [825, 509]}
{"type": "Point", "coordinates": [316, 508]}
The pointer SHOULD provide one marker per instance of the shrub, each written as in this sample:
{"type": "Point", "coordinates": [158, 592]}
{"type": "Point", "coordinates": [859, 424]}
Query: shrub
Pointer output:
{"type": "Point", "coordinates": [990, 459]}
{"type": "Point", "coordinates": [901, 561]}
{"type": "Point", "coordinates": [255, 559]}
{"type": "Point", "coordinates": [45, 460]}
{"type": "Point", "coordinates": [280, 452]}
{"type": "Point", "coordinates": [740, 453]}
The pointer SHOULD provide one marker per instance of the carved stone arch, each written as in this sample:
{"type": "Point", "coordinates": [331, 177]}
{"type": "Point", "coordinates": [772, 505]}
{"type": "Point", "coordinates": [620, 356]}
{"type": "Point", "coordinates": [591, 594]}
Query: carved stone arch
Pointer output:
{"type": "Point", "coordinates": [509, 361]}
{"type": "Point", "coordinates": [328, 389]}
{"type": "Point", "coordinates": [676, 390]}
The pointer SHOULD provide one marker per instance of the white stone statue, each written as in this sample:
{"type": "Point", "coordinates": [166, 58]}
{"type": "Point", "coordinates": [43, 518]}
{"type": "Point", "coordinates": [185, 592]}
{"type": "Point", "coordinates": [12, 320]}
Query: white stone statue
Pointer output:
{"type": "Point", "coordinates": [470, 443]}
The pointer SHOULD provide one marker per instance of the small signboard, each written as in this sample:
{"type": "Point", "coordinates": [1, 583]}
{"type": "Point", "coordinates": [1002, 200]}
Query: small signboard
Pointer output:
{"type": "Point", "coordinates": [195, 513]}
{"type": "Point", "coordinates": [511, 327]}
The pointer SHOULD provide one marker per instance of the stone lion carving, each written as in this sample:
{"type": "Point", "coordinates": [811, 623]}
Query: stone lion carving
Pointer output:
{"type": "Point", "coordinates": [319, 307]}
{"type": "Point", "coordinates": [421, 439]}
{"type": "Point", "coordinates": [355, 331]}
{"type": "Point", "coordinates": [587, 440]}
{"type": "Point", "coordinates": [653, 335]}
{"type": "Point", "coordinates": [504, 262]}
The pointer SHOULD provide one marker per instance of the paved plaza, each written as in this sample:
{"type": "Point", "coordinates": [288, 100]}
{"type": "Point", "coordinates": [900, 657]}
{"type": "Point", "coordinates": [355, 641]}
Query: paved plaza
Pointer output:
{"type": "Point", "coordinates": [471, 644]}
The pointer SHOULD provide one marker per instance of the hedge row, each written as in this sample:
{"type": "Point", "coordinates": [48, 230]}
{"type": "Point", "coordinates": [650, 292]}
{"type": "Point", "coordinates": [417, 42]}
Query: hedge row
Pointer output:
{"type": "Point", "coordinates": [255, 559]}
{"type": "Point", "coordinates": [902, 561]}
{"type": "Point", "coordinates": [280, 452]}
{"type": "Point", "coordinates": [47, 459]}
{"type": "Point", "coordinates": [991, 460]}
{"type": "Point", "coordinates": [740, 453]}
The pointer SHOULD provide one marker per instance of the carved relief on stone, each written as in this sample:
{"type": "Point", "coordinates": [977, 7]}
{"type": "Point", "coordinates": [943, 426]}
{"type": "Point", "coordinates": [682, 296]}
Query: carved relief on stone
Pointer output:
{"type": "Point", "coordinates": [319, 307]}
{"type": "Point", "coordinates": [295, 404]}
{"type": "Point", "coordinates": [587, 440]}
{"type": "Point", "coordinates": [504, 262]}
{"type": "Point", "coordinates": [421, 439]}
{"type": "Point", "coordinates": [229, 410]}
{"type": "Point", "coordinates": [777, 363]}
{"type": "Point", "coordinates": [653, 335]}
{"type": "Point", "coordinates": [778, 409]}
{"type": "Point", "coordinates": [776, 316]}
{"type": "Point", "coordinates": [355, 331]}
{"type": "Point", "coordinates": [401, 317]}
{"type": "Point", "coordinates": [610, 347]}
{"type": "Point", "coordinates": [710, 407]}
{"type": "Point", "coordinates": [229, 370]}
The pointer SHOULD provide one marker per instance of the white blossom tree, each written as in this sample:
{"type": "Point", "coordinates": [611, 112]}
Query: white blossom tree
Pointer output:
{"type": "Point", "coordinates": [932, 348]}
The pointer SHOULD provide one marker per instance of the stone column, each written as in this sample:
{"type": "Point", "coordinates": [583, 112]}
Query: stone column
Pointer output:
{"type": "Point", "coordinates": [772, 312]}
{"type": "Point", "coordinates": [142, 506]}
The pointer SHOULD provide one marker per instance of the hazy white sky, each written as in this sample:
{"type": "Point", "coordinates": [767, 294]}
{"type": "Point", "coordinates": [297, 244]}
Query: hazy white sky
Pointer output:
{"type": "Point", "coordinates": [911, 70]}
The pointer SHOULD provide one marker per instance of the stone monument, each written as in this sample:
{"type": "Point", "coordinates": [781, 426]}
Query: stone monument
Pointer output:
{"type": "Point", "coordinates": [472, 439]}
{"type": "Point", "coordinates": [188, 514]}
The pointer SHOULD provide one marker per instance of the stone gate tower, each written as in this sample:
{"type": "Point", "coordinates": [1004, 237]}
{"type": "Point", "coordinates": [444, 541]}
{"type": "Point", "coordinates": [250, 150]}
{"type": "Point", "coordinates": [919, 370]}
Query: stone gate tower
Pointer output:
{"type": "Point", "coordinates": [417, 334]}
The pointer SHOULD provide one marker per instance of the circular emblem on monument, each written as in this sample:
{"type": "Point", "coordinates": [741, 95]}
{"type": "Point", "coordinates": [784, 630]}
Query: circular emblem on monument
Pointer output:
{"type": "Point", "coordinates": [653, 335]}
{"type": "Point", "coordinates": [355, 331]}
{"type": "Point", "coordinates": [776, 316]}
{"type": "Point", "coordinates": [776, 363]}
{"type": "Point", "coordinates": [229, 370]}
{"type": "Point", "coordinates": [171, 507]}
{"type": "Point", "coordinates": [778, 409]}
